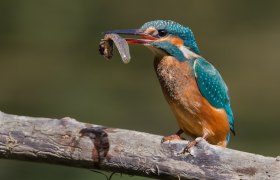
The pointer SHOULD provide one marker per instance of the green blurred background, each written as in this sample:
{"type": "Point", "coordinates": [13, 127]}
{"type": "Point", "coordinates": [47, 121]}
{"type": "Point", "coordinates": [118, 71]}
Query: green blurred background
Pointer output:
{"type": "Point", "coordinates": [50, 67]}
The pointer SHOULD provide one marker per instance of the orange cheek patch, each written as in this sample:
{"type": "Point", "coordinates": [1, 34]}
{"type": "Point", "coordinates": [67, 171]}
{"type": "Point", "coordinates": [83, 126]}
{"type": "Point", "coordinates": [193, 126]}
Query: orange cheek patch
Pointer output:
{"type": "Point", "coordinates": [173, 40]}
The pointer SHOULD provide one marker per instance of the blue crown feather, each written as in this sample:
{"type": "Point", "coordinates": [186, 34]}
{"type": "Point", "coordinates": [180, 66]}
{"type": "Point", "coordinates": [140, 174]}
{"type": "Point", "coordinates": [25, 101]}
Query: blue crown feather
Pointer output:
{"type": "Point", "coordinates": [175, 29]}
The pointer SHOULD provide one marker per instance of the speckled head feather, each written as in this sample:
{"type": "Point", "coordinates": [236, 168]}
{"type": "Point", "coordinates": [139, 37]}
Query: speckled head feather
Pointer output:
{"type": "Point", "coordinates": [175, 29]}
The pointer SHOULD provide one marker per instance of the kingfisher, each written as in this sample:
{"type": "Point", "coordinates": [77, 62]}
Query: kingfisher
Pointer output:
{"type": "Point", "coordinates": [193, 87]}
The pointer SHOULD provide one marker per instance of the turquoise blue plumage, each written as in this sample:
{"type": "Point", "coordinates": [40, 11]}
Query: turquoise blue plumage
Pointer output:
{"type": "Point", "coordinates": [213, 87]}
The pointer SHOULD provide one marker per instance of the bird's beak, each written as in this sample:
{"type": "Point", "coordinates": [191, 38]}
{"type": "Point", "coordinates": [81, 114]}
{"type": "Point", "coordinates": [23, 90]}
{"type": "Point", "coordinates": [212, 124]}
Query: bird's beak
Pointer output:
{"type": "Point", "coordinates": [143, 37]}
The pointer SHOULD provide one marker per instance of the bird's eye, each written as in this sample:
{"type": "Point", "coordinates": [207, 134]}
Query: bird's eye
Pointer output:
{"type": "Point", "coordinates": [162, 32]}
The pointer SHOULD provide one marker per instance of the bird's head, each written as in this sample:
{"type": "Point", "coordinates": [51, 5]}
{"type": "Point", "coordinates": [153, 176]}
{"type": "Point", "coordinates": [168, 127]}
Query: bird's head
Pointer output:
{"type": "Point", "coordinates": [164, 37]}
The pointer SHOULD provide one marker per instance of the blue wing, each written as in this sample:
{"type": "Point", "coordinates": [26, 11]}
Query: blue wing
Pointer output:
{"type": "Point", "coordinates": [213, 87]}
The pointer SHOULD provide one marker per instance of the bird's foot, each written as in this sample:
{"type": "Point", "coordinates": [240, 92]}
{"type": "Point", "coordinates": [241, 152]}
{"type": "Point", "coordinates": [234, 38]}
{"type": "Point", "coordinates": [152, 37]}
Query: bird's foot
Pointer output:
{"type": "Point", "coordinates": [191, 144]}
{"type": "Point", "coordinates": [172, 137]}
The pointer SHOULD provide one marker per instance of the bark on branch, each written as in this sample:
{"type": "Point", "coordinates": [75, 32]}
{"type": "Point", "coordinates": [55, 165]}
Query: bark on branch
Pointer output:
{"type": "Point", "coordinates": [69, 142]}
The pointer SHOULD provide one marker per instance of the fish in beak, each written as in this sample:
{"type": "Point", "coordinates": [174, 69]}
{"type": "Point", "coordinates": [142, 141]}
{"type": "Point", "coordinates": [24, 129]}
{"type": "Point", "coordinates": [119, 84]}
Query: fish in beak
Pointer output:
{"type": "Point", "coordinates": [113, 37]}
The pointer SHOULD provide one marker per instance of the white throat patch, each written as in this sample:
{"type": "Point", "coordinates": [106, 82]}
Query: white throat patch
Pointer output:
{"type": "Point", "coordinates": [188, 53]}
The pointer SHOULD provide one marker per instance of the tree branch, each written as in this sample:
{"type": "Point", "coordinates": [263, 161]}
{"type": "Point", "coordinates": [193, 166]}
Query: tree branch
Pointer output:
{"type": "Point", "coordinates": [68, 142]}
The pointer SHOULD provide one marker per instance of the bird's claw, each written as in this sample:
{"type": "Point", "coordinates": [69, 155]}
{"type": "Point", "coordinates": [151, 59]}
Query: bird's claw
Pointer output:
{"type": "Point", "coordinates": [191, 144]}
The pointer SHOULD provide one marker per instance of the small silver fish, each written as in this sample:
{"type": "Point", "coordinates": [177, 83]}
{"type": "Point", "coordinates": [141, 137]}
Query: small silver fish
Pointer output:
{"type": "Point", "coordinates": [106, 47]}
